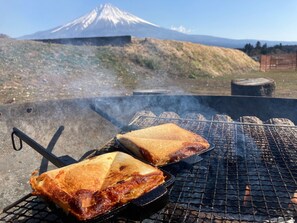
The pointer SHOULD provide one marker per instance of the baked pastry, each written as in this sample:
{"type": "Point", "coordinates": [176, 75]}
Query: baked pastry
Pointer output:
{"type": "Point", "coordinates": [95, 186]}
{"type": "Point", "coordinates": [163, 144]}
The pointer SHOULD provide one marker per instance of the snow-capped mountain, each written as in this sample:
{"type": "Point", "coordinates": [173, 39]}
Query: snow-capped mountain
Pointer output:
{"type": "Point", "coordinates": [105, 16]}
{"type": "Point", "coordinates": [107, 20]}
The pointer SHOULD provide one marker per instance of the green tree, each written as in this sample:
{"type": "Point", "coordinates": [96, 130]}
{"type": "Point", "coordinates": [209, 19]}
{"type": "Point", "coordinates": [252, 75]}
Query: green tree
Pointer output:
{"type": "Point", "coordinates": [248, 48]}
{"type": "Point", "coordinates": [264, 49]}
{"type": "Point", "coordinates": [258, 45]}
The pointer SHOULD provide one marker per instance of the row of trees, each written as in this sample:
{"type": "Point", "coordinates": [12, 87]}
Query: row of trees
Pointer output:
{"type": "Point", "coordinates": [259, 49]}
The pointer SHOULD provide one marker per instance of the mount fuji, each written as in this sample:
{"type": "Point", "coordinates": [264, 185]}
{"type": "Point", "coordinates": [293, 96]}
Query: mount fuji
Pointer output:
{"type": "Point", "coordinates": [107, 20]}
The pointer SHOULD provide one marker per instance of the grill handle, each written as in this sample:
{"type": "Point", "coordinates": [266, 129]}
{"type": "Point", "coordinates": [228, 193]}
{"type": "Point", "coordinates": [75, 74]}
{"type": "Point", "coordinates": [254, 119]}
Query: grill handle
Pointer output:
{"type": "Point", "coordinates": [36, 146]}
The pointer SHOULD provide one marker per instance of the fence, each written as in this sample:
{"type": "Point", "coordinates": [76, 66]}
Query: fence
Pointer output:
{"type": "Point", "coordinates": [278, 62]}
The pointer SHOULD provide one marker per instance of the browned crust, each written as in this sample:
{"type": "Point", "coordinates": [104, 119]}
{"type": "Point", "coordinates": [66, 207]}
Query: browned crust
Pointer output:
{"type": "Point", "coordinates": [163, 151]}
{"type": "Point", "coordinates": [163, 144]}
{"type": "Point", "coordinates": [102, 201]}
{"type": "Point", "coordinates": [189, 149]}
{"type": "Point", "coordinates": [148, 156]}
{"type": "Point", "coordinates": [92, 187]}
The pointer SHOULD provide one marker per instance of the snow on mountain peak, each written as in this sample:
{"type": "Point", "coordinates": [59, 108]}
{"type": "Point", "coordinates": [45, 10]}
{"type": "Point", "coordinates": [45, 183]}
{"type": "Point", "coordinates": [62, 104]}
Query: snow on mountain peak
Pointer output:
{"type": "Point", "coordinates": [115, 15]}
{"type": "Point", "coordinates": [104, 13]}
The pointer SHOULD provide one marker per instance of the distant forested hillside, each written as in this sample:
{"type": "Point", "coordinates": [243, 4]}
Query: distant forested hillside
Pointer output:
{"type": "Point", "coordinates": [260, 48]}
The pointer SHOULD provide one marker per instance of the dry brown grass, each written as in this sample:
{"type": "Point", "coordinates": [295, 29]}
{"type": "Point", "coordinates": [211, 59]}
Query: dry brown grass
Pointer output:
{"type": "Point", "coordinates": [199, 60]}
{"type": "Point", "coordinates": [178, 59]}
{"type": "Point", "coordinates": [34, 71]}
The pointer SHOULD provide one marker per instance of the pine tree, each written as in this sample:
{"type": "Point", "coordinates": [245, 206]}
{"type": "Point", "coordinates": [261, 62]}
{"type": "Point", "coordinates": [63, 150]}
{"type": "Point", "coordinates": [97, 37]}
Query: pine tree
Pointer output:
{"type": "Point", "coordinates": [264, 49]}
{"type": "Point", "coordinates": [258, 45]}
{"type": "Point", "coordinates": [248, 48]}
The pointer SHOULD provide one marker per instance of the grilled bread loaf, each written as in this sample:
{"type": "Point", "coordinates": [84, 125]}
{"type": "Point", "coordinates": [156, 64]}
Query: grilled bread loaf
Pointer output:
{"type": "Point", "coordinates": [94, 186]}
{"type": "Point", "coordinates": [163, 144]}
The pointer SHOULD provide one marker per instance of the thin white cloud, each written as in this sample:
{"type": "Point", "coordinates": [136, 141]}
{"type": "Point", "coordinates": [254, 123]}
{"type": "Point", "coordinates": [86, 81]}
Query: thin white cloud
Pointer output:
{"type": "Point", "coordinates": [181, 29]}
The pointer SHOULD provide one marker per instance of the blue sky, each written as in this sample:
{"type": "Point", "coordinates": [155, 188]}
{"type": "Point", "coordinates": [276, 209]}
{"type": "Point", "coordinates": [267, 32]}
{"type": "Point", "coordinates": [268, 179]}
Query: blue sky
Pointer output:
{"type": "Point", "coordinates": [237, 19]}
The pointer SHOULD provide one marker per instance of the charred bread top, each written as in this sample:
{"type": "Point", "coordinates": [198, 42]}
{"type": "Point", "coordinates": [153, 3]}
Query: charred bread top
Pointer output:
{"type": "Point", "coordinates": [94, 186]}
{"type": "Point", "coordinates": [163, 144]}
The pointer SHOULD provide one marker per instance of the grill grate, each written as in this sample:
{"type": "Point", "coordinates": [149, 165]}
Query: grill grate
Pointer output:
{"type": "Point", "coordinates": [29, 209]}
{"type": "Point", "coordinates": [250, 176]}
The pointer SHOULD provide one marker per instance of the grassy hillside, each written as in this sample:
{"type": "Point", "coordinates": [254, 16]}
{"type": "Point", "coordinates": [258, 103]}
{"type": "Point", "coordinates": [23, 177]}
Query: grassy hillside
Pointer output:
{"type": "Point", "coordinates": [32, 71]}
{"type": "Point", "coordinates": [175, 58]}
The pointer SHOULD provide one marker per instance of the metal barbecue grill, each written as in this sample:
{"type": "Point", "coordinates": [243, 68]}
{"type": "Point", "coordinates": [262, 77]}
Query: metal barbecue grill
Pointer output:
{"type": "Point", "coordinates": [249, 176]}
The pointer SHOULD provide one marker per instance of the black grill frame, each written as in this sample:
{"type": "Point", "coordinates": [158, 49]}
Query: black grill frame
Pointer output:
{"type": "Point", "coordinates": [262, 157]}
